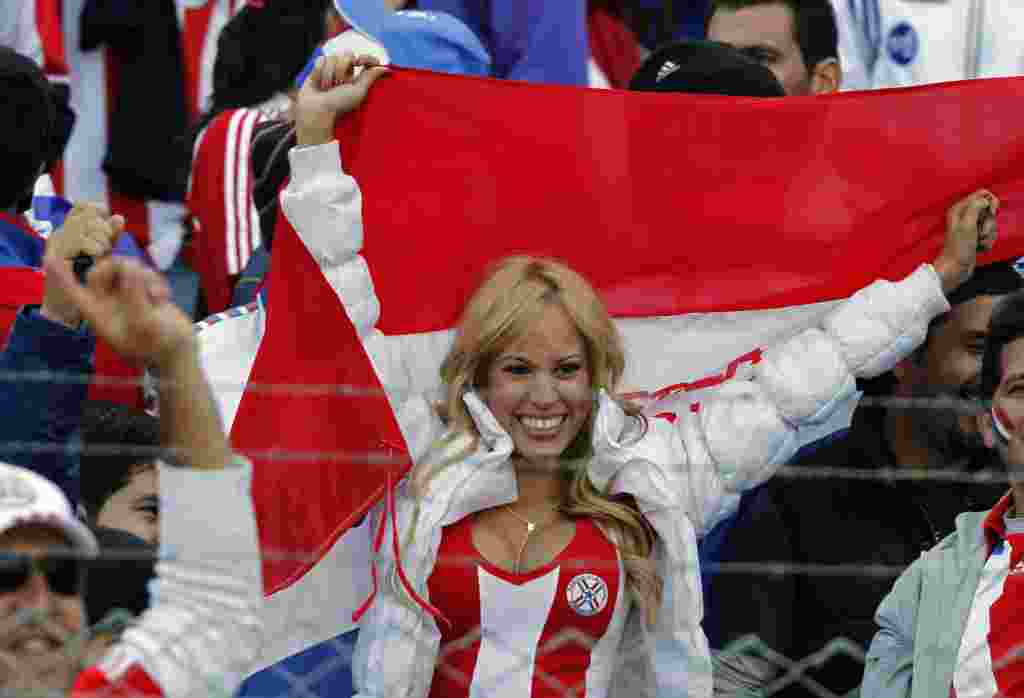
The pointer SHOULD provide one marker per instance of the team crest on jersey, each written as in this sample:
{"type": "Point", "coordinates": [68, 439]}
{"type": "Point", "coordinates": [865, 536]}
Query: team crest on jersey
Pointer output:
{"type": "Point", "coordinates": [903, 43]}
{"type": "Point", "coordinates": [587, 594]}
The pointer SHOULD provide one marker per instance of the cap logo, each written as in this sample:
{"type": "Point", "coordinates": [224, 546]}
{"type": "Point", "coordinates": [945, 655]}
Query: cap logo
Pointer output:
{"type": "Point", "coordinates": [666, 69]}
{"type": "Point", "coordinates": [16, 492]}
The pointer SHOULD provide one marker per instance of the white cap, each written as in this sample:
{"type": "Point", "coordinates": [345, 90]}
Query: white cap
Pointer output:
{"type": "Point", "coordinates": [29, 499]}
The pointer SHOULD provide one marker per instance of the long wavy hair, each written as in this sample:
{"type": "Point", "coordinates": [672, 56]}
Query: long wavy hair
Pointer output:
{"type": "Point", "coordinates": [506, 305]}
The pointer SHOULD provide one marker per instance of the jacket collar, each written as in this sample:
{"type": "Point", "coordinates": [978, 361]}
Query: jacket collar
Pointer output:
{"type": "Point", "coordinates": [994, 524]}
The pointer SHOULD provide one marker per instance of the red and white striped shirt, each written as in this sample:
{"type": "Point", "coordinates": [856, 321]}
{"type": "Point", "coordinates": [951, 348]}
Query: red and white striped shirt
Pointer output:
{"type": "Point", "coordinates": [225, 222]}
{"type": "Point", "coordinates": [991, 658]}
{"type": "Point", "coordinates": [553, 632]}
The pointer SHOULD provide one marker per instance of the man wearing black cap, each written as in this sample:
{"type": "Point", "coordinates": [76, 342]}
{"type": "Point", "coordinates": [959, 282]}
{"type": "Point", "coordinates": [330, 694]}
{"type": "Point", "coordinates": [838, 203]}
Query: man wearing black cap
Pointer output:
{"type": "Point", "coordinates": [704, 67]}
{"type": "Point", "coordinates": [845, 535]}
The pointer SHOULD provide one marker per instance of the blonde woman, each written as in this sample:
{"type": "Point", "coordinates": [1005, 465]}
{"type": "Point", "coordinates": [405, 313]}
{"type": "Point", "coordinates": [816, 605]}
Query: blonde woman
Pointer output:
{"type": "Point", "coordinates": [548, 532]}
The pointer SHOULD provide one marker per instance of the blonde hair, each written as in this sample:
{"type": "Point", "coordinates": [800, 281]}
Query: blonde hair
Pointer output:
{"type": "Point", "coordinates": [510, 300]}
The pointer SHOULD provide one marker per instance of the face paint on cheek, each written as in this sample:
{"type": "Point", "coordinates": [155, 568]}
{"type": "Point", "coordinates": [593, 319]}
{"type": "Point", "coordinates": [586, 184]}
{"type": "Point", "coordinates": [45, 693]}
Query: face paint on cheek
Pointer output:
{"type": "Point", "coordinates": [1001, 423]}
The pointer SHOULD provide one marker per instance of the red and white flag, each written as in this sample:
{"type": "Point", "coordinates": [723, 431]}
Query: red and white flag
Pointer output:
{"type": "Point", "coordinates": [711, 226]}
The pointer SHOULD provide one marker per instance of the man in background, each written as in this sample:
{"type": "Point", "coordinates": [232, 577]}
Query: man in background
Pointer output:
{"type": "Point", "coordinates": [818, 523]}
{"type": "Point", "coordinates": [797, 40]}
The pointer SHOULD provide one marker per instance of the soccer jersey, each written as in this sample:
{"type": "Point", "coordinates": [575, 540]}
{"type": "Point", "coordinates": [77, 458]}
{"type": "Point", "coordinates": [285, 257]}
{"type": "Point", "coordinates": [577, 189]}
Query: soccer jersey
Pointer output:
{"type": "Point", "coordinates": [991, 657]}
{"type": "Point", "coordinates": [225, 222]}
{"type": "Point", "coordinates": [554, 631]}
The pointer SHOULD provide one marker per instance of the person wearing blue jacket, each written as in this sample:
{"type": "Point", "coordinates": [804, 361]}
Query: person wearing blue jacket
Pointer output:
{"type": "Point", "coordinates": [533, 40]}
{"type": "Point", "coordinates": [46, 365]}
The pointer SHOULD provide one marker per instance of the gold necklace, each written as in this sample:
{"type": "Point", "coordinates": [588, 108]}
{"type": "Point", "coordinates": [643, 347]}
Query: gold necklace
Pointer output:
{"type": "Point", "coordinates": [530, 525]}
{"type": "Point", "coordinates": [530, 528]}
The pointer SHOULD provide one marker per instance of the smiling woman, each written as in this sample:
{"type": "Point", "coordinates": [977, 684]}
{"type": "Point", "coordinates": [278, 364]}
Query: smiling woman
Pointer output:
{"type": "Point", "coordinates": [535, 344]}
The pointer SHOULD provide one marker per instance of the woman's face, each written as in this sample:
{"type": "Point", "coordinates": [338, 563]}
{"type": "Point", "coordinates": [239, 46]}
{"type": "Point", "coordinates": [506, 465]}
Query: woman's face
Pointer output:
{"type": "Point", "coordinates": [539, 388]}
{"type": "Point", "coordinates": [135, 507]}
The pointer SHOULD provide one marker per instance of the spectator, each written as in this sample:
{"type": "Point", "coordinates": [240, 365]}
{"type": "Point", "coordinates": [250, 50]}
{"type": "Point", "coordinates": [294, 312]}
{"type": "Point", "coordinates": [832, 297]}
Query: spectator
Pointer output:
{"type": "Point", "coordinates": [203, 630]}
{"type": "Point", "coordinates": [532, 40]}
{"type": "Point", "coordinates": [659, 22]}
{"type": "Point", "coordinates": [881, 522]}
{"type": "Point", "coordinates": [117, 593]}
{"type": "Point", "coordinates": [116, 52]}
{"type": "Point", "coordinates": [413, 39]}
{"type": "Point", "coordinates": [271, 143]}
{"type": "Point", "coordinates": [33, 30]}
{"type": "Point", "coordinates": [951, 624]}
{"type": "Point", "coordinates": [518, 400]}
{"type": "Point", "coordinates": [797, 39]}
{"type": "Point", "coordinates": [201, 23]}
{"type": "Point", "coordinates": [49, 411]}
{"type": "Point", "coordinates": [250, 86]}
{"type": "Point", "coordinates": [28, 122]}
{"type": "Point", "coordinates": [704, 67]}
{"type": "Point", "coordinates": [902, 43]}
{"type": "Point", "coordinates": [118, 469]}
{"type": "Point", "coordinates": [429, 42]}
{"type": "Point", "coordinates": [614, 49]}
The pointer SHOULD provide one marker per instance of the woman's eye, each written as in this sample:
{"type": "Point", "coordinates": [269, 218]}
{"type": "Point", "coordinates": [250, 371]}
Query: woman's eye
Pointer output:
{"type": "Point", "coordinates": [517, 369]}
{"type": "Point", "coordinates": [566, 370]}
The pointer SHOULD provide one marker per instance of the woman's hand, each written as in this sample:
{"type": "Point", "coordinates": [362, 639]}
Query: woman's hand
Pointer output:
{"type": "Point", "coordinates": [130, 307]}
{"type": "Point", "coordinates": [332, 90]}
{"type": "Point", "coordinates": [970, 229]}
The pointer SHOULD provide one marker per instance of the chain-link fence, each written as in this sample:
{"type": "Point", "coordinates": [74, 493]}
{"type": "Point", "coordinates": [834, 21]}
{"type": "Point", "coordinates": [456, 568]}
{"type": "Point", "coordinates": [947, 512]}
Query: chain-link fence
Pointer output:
{"type": "Point", "coordinates": [561, 629]}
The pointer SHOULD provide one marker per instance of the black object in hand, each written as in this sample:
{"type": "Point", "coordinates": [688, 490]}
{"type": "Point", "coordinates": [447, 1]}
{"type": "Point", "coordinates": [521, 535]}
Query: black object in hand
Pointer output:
{"type": "Point", "coordinates": [81, 265]}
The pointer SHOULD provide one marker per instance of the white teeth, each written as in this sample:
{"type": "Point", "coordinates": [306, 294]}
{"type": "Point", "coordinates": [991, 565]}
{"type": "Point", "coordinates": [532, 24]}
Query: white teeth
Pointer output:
{"type": "Point", "coordinates": [542, 422]}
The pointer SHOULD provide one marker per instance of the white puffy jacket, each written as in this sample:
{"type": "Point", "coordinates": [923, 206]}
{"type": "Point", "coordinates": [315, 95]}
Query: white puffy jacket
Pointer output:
{"type": "Point", "coordinates": [680, 474]}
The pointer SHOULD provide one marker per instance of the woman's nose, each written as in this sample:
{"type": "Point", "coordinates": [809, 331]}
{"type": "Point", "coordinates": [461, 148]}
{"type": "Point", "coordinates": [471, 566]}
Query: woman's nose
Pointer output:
{"type": "Point", "coordinates": [544, 390]}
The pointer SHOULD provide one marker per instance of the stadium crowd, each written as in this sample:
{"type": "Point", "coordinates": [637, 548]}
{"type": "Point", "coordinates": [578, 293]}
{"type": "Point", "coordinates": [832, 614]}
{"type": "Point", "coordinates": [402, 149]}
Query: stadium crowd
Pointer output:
{"type": "Point", "coordinates": [840, 519]}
